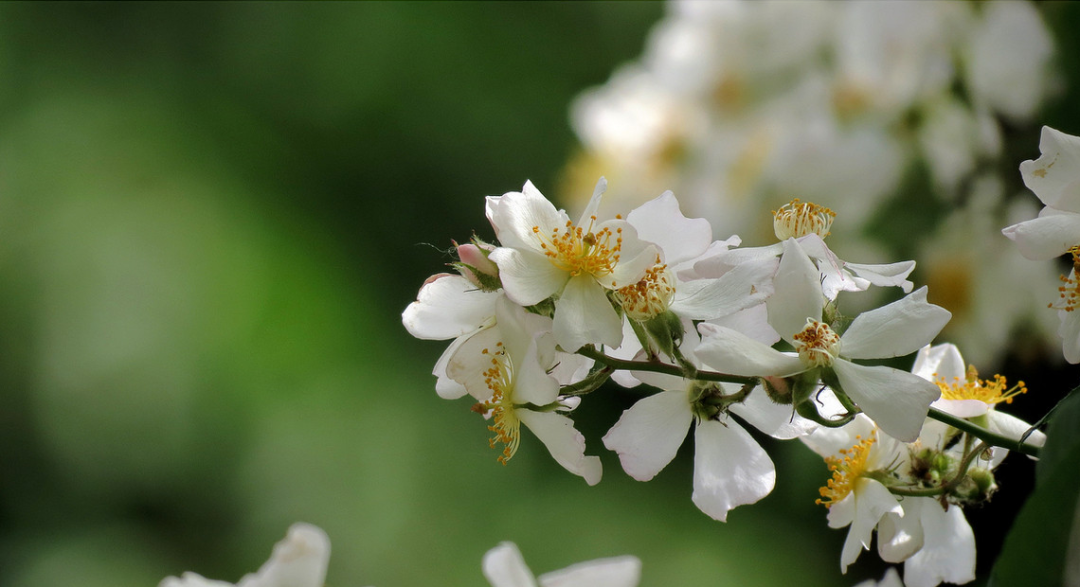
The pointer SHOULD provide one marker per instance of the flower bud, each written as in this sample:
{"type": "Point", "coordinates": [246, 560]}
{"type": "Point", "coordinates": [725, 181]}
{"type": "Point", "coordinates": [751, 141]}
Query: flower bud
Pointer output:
{"type": "Point", "coordinates": [473, 264]}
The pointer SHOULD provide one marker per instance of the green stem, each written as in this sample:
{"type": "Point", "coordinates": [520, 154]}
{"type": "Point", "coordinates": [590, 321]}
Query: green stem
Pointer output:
{"type": "Point", "coordinates": [990, 438]}
{"type": "Point", "coordinates": [658, 367]}
{"type": "Point", "coordinates": [589, 384]}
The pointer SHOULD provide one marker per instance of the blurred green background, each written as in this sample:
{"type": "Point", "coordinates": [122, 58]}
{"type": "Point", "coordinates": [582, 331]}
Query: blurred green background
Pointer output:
{"type": "Point", "coordinates": [211, 218]}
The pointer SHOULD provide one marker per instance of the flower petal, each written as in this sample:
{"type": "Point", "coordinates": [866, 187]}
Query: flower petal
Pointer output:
{"type": "Point", "coordinates": [446, 387]}
{"type": "Point", "coordinates": [1055, 176]}
{"type": "Point", "coordinates": [448, 307]}
{"type": "Point", "coordinates": [564, 442]}
{"type": "Point", "coordinates": [872, 502]}
{"type": "Point", "coordinates": [892, 274]}
{"type": "Point", "coordinates": [744, 286]}
{"type": "Point", "coordinates": [528, 278]}
{"type": "Point", "coordinates": [1046, 237]}
{"type": "Point", "coordinates": [505, 567]}
{"type": "Point", "coordinates": [940, 360]}
{"type": "Point", "coordinates": [298, 561]}
{"type": "Point", "coordinates": [730, 468]}
{"type": "Point", "coordinates": [513, 215]}
{"type": "Point", "coordinates": [776, 420]}
{"type": "Point", "coordinates": [895, 330]}
{"type": "Point", "coordinates": [899, 537]}
{"type": "Point", "coordinates": [648, 435]}
{"type": "Point", "coordinates": [948, 552]}
{"type": "Point", "coordinates": [798, 292]}
{"type": "Point", "coordinates": [897, 400]}
{"type": "Point", "coordinates": [1069, 331]}
{"type": "Point", "coordinates": [732, 352]}
{"type": "Point", "coordinates": [660, 222]}
{"type": "Point", "coordinates": [583, 315]}
{"type": "Point", "coordinates": [622, 571]}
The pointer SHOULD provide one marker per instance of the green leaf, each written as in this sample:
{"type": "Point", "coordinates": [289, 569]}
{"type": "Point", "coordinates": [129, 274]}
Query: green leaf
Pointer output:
{"type": "Point", "coordinates": [1062, 437]}
{"type": "Point", "coordinates": [1047, 530]}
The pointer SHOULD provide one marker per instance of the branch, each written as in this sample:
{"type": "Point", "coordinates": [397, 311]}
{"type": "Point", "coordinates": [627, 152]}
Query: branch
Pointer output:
{"type": "Point", "coordinates": [990, 438]}
{"type": "Point", "coordinates": [659, 367]}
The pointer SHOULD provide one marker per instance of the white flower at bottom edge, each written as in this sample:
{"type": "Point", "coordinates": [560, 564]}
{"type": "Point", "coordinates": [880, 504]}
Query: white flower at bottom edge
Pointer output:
{"type": "Point", "coordinates": [891, 579]}
{"type": "Point", "coordinates": [852, 497]}
{"type": "Point", "coordinates": [936, 544]}
{"type": "Point", "coordinates": [730, 467]}
{"type": "Point", "coordinates": [297, 561]}
{"type": "Point", "coordinates": [505, 567]}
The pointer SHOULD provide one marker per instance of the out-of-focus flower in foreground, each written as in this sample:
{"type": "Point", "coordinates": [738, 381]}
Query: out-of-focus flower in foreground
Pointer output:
{"type": "Point", "coordinates": [505, 567]}
{"type": "Point", "coordinates": [297, 561]}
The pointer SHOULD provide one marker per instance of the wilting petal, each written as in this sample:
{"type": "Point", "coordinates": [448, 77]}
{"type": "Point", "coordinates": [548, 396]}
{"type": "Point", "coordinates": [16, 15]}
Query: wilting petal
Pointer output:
{"type": "Point", "coordinates": [895, 330]}
{"type": "Point", "coordinates": [892, 274]}
{"type": "Point", "coordinates": [1046, 237]}
{"type": "Point", "coordinates": [648, 435]}
{"type": "Point", "coordinates": [564, 442]}
{"type": "Point", "coordinates": [730, 468]}
{"type": "Point", "coordinates": [897, 400]}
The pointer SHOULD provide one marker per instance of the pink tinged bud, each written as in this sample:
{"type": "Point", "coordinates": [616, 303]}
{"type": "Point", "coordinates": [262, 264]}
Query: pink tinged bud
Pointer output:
{"type": "Point", "coordinates": [476, 258]}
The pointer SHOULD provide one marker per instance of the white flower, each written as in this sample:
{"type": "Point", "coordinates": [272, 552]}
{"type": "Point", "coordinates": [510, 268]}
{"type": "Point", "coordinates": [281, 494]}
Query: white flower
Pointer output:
{"type": "Point", "coordinates": [730, 468]}
{"type": "Point", "coordinates": [897, 400]}
{"type": "Point", "coordinates": [854, 498]}
{"type": "Point", "coordinates": [505, 567]}
{"type": "Point", "coordinates": [544, 254]}
{"type": "Point", "coordinates": [1055, 179]}
{"type": "Point", "coordinates": [936, 544]}
{"type": "Point", "coordinates": [298, 561]}
{"type": "Point", "coordinates": [964, 395]}
{"type": "Point", "coordinates": [449, 306]}
{"type": "Point", "coordinates": [507, 370]}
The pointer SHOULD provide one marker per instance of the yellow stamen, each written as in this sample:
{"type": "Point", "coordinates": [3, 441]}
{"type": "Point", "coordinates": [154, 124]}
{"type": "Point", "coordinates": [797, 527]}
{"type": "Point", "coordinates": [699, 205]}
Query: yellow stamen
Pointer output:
{"type": "Point", "coordinates": [649, 297]}
{"type": "Point", "coordinates": [991, 392]}
{"type": "Point", "coordinates": [499, 378]}
{"type": "Point", "coordinates": [797, 219]}
{"type": "Point", "coordinates": [817, 344]}
{"type": "Point", "coordinates": [577, 250]}
{"type": "Point", "coordinates": [846, 469]}
{"type": "Point", "coordinates": [1069, 290]}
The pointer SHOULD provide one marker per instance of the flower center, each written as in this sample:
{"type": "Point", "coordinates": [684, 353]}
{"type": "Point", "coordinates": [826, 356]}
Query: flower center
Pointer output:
{"type": "Point", "coordinates": [797, 219]}
{"type": "Point", "coordinates": [577, 250]}
{"type": "Point", "coordinates": [499, 378]}
{"type": "Point", "coordinates": [817, 344]}
{"type": "Point", "coordinates": [846, 468]}
{"type": "Point", "coordinates": [1069, 290]}
{"type": "Point", "coordinates": [990, 392]}
{"type": "Point", "coordinates": [649, 297]}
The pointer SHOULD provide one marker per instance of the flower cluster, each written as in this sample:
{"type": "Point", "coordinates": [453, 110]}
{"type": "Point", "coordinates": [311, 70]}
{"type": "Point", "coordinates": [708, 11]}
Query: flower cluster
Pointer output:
{"type": "Point", "coordinates": [738, 105]}
{"type": "Point", "coordinates": [721, 337]}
